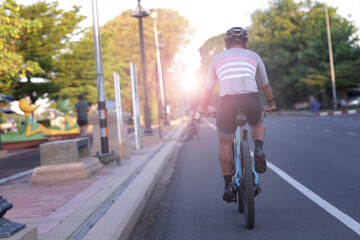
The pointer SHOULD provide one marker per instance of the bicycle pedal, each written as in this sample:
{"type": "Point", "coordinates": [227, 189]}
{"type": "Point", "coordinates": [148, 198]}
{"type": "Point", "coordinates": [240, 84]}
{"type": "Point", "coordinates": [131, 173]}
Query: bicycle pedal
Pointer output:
{"type": "Point", "coordinates": [231, 200]}
{"type": "Point", "coordinates": [257, 190]}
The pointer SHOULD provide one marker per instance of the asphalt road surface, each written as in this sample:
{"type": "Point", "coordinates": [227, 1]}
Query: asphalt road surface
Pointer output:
{"type": "Point", "coordinates": [21, 162]}
{"type": "Point", "coordinates": [310, 190]}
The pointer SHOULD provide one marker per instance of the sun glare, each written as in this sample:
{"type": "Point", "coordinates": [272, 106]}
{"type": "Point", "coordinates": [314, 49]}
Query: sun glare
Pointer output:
{"type": "Point", "coordinates": [189, 84]}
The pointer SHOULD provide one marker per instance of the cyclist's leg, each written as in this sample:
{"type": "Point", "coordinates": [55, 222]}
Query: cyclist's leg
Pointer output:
{"type": "Point", "coordinates": [226, 162]}
{"type": "Point", "coordinates": [258, 129]}
{"type": "Point", "coordinates": [225, 153]}
{"type": "Point", "coordinates": [226, 133]}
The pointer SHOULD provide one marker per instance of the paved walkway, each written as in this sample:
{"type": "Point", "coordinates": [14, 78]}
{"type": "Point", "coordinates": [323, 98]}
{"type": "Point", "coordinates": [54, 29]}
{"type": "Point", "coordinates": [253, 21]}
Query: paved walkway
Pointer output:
{"type": "Point", "coordinates": [48, 207]}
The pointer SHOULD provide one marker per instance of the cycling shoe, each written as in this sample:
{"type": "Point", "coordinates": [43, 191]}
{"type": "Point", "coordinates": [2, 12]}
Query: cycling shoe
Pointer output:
{"type": "Point", "coordinates": [229, 193]}
{"type": "Point", "coordinates": [260, 162]}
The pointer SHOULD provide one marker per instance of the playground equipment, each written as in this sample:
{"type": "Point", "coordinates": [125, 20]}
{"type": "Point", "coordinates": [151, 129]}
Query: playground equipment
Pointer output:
{"type": "Point", "coordinates": [26, 136]}
{"type": "Point", "coordinates": [32, 133]}
{"type": "Point", "coordinates": [70, 130]}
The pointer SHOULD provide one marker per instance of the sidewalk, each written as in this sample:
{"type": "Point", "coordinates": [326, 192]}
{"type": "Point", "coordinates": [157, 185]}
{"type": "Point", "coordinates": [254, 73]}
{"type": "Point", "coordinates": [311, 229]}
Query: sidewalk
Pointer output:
{"type": "Point", "coordinates": [105, 206]}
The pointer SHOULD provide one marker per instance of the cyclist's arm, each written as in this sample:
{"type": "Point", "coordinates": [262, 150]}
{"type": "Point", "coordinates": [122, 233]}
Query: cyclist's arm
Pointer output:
{"type": "Point", "coordinates": [268, 94]}
{"type": "Point", "coordinates": [263, 81]}
{"type": "Point", "coordinates": [269, 99]}
{"type": "Point", "coordinates": [205, 101]}
{"type": "Point", "coordinates": [211, 80]}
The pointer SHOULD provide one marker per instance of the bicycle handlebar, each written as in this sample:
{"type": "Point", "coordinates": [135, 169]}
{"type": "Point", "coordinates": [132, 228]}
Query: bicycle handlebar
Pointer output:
{"type": "Point", "coordinates": [213, 114]}
{"type": "Point", "coordinates": [273, 110]}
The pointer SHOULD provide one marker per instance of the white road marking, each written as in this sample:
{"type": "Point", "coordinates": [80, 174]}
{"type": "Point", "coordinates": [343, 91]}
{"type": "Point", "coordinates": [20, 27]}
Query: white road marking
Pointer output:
{"type": "Point", "coordinates": [345, 219]}
{"type": "Point", "coordinates": [342, 217]}
{"type": "Point", "coordinates": [352, 134]}
{"type": "Point", "coordinates": [210, 124]}
{"type": "Point", "coordinates": [326, 130]}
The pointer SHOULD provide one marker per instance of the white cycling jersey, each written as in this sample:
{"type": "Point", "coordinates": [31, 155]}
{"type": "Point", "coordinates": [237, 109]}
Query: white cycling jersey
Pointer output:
{"type": "Point", "coordinates": [237, 71]}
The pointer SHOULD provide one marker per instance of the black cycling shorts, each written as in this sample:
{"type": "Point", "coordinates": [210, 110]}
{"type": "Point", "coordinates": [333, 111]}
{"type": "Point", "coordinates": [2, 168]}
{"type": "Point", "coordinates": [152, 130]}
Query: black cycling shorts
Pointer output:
{"type": "Point", "coordinates": [225, 119]}
{"type": "Point", "coordinates": [82, 123]}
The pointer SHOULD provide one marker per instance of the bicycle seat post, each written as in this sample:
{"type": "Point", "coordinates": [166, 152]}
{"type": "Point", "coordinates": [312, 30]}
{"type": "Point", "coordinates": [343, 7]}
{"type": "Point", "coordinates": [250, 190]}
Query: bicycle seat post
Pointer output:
{"type": "Point", "coordinates": [241, 120]}
{"type": "Point", "coordinates": [240, 117]}
{"type": "Point", "coordinates": [245, 135]}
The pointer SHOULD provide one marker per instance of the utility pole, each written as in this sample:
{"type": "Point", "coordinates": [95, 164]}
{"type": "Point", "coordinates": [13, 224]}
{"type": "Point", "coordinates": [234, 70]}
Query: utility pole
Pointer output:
{"type": "Point", "coordinates": [331, 58]}
{"type": "Point", "coordinates": [140, 13]}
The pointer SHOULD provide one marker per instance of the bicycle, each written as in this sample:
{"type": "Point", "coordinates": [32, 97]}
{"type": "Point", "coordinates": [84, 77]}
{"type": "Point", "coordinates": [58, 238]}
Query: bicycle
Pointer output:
{"type": "Point", "coordinates": [245, 179]}
{"type": "Point", "coordinates": [192, 129]}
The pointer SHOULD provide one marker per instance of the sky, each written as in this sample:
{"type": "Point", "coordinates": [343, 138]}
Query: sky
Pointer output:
{"type": "Point", "coordinates": [207, 18]}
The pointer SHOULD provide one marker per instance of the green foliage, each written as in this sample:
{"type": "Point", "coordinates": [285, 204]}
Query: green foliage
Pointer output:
{"type": "Point", "coordinates": [120, 45]}
{"type": "Point", "coordinates": [44, 45]}
{"type": "Point", "coordinates": [12, 28]}
{"type": "Point", "coordinates": [291, 38]}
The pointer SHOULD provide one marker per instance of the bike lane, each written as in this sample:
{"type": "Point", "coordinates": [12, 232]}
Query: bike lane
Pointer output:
{"type": "Point", "coordinates": [192, 207]}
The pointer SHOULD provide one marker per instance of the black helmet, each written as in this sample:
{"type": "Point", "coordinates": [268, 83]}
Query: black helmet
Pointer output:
{"type": "Point", "coordinates": [236, 35]}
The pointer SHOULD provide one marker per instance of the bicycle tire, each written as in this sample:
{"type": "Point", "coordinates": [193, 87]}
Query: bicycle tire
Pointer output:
{"type": "Point", "coordinates": [238, 188]}
{"type": "Point", "coordinates": [247, 185]}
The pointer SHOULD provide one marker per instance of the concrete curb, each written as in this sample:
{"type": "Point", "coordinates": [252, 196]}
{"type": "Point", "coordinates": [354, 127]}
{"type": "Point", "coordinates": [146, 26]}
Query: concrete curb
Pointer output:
{"type": "Point", "coordinates": [127, 209]}
{"type": "Point", "coordinates": [111, 209]}
{"type": "Point", "coordinates": [307, 113]}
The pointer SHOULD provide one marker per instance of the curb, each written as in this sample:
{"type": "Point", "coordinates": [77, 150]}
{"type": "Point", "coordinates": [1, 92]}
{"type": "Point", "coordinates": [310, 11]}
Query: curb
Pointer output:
{"type": "Point", "coordinates": [112, 211]}
{"type": "Point", "coordinates": [331, 113]}
{"type": "Point", "coordinates": [127, 209]}
{"type": "Point", "coordinates": [338, 112]}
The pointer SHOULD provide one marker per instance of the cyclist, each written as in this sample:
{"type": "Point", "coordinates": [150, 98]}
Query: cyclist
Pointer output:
{"type": "Point", "coordinates": [237, 70]}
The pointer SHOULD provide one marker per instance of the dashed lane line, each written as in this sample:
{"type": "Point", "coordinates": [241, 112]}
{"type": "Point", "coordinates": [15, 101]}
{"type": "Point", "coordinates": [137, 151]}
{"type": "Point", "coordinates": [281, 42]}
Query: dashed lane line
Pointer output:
{"type": "Point", "coordinates": [342, 217]}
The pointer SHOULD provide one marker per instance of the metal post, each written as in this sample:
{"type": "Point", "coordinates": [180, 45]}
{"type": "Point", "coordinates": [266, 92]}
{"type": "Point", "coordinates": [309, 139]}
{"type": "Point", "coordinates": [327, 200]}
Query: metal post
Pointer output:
{"type": "Point", "coordinates": [119, 117]}
{"type": "Point", "coordinates": [136, 107]}
{"type": "Point", "coordinates": [331, 58]}
{"type": "Point", "coordinates": [158, 100]}
{"type": "Point", "coordinates": [100, 82]}
{"type": "Point", "coordinates": [140, 13]}
{"type": "Point", "coordinates": [159, 69]}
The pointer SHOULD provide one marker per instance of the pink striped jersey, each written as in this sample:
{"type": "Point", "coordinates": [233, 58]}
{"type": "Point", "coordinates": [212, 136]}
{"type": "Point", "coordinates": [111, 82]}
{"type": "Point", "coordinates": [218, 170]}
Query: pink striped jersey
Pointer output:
{"type": "Point", "coordinates": [237, 71]}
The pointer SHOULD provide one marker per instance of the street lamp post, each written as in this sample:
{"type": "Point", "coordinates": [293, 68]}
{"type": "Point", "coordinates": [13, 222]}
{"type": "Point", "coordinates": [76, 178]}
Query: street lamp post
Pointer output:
{"type": "Point", "coordinates": [159, 69]}
{"type": "Point", "coordinates": [140, 13]}
{"type": "Point", "coordinates": [331, 58]}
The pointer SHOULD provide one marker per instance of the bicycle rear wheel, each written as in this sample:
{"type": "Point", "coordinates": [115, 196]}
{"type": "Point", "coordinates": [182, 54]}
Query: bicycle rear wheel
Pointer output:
{"type": "Point", "coordinates": [247, 185]}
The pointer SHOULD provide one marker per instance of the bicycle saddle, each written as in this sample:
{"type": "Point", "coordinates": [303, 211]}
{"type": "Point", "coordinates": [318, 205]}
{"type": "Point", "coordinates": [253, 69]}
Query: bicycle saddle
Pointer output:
{"type": "Point", "coordinates": [240, 116]}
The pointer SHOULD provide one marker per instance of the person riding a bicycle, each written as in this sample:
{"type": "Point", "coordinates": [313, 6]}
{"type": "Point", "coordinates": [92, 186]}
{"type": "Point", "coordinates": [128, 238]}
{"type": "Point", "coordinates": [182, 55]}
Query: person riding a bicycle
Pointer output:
{"type": "Point", "coordinates": [239, 72]}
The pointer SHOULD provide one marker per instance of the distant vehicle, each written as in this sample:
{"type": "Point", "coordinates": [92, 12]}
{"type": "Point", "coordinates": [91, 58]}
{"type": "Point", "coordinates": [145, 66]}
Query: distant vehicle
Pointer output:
{"type": "Point", "coordinates": [300, 105]}
{"type": "Point", "coordinates": [354, 102]}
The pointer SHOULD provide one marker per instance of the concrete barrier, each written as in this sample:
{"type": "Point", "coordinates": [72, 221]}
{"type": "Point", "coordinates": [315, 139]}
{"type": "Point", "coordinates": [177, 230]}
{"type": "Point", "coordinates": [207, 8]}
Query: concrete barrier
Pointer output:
{"type": "Point", "coordinates": [64, 161]}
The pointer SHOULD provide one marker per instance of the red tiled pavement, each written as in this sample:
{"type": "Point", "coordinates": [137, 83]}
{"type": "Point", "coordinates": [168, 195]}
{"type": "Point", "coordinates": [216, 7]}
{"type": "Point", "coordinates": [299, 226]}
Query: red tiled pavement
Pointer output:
{"type": "Point", "coordinates": [39, 201]}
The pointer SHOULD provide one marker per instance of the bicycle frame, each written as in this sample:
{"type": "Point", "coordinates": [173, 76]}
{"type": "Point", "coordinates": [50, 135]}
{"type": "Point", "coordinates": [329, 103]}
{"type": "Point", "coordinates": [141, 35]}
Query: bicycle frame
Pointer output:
{"type": "Point", "coordinates": [238, 174]}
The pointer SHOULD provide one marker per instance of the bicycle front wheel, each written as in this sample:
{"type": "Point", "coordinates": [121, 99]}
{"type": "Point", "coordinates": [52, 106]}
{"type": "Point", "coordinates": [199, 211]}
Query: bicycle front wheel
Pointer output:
{"type": "Point", "coordinates": [247, 185]}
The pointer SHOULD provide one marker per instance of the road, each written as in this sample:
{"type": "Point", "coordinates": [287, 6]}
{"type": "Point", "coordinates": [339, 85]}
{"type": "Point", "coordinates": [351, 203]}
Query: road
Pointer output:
{"type": "Point", "coordinates": [25, 160]}
{"type": "Point", "coordinates": [319, 156]}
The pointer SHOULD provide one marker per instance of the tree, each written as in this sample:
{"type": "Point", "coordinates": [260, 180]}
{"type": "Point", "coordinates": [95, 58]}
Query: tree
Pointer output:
{"type": "Point", "coordinates": [315, 57]}
{"type": "Point", "coordinates": [120, 45]}
{"type": "Point", "coordinates": [291, 38]}
{"type": "Point", "coordinates": [45, 44]}
{"type": "Point", "coordinates": [12, 28]}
